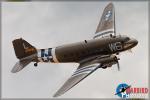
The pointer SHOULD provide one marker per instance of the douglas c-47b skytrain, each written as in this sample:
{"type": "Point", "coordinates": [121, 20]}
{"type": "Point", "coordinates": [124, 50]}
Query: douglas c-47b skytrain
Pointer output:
{"type": "Point", "coordinates": [99, 52]}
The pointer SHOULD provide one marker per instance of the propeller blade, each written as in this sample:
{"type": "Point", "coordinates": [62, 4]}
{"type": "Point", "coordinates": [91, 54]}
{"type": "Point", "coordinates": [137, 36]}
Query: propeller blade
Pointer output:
{"type": "Point", "coordinates": [116, 59]}
{"type": "Point", "coordinates": [118, 66]}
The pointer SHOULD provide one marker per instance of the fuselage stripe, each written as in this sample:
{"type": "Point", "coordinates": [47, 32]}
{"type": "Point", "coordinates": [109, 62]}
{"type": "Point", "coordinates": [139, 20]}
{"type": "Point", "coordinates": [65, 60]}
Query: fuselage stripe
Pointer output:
{"type": "Point", "coordinates": [54, 55]}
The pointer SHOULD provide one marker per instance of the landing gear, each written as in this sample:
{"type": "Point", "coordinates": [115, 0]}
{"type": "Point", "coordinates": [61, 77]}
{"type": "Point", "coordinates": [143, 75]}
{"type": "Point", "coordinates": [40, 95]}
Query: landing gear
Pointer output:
{"type": "Point", "coordinates": [111, 35]}
{"type": "Point", "coordinates": [104, 67]}
{"type": "Point", "coordinates": [36, 64]}
{"type": "Point", "coordinates": [85, 41]}
{"type": "Point", "coordinates": [117, 53]}
{"type": "Point", "coordinates": [114, 36]}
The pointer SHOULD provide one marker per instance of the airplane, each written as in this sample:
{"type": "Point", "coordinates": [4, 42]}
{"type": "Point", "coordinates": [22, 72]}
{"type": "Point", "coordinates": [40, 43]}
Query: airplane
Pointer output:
{"type": "Point", "coordinates": [99, 52]}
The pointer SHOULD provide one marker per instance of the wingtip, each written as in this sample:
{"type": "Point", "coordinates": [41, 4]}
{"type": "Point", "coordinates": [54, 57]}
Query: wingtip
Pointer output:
{"type": "Point", "coordinates": [111, 3]}
{"type": "Point", "coordinates": [14, 70]}
{"type": "Point", "coordinates": [56, 95]}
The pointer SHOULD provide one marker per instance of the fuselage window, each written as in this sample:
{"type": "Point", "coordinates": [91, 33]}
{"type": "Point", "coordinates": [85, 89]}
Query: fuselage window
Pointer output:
{"type": "Point", "coordinates": [126, 39]}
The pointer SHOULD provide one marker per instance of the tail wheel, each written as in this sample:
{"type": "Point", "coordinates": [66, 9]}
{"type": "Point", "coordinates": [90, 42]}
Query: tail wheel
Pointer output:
{"type": "Point", "coordinates": [35, 64]}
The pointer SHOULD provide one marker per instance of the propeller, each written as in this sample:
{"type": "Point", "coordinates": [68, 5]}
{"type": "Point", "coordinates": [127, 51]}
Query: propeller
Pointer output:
{"type": "Point", "coordinates": [118, 65]}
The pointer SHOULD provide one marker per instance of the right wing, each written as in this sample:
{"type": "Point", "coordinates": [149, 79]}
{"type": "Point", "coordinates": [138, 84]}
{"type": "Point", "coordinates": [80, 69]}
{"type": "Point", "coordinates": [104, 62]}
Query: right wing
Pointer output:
{"type": "Point", "coordinates": [106, 25]}
{"type": "Point", "coordinates": [86, 67]}
{"type": "Point", "coordinates": [81, 73]}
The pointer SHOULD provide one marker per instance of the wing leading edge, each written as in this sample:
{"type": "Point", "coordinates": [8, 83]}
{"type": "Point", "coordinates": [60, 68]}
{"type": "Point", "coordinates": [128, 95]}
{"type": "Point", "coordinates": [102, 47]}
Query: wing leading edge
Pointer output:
{"type": "Point", "coordinates": [81, 73]}
{"type": "Point", "coordinates": [106, 25]}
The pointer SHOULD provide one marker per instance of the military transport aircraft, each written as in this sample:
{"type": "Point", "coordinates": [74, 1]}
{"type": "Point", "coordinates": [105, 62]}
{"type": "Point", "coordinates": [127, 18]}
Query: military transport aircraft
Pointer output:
{"type": "Point", "coordinates": [99, 52]}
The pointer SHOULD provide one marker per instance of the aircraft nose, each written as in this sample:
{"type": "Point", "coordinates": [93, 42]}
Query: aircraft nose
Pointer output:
{"type": "Point", "coordinates": [131, 43]}
{"type": "Point", "coordinates": [134, 41]}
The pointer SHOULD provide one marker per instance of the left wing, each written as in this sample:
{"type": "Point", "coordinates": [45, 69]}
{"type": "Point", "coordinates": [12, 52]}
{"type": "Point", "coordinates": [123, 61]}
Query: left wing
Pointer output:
{"type": "Point", "coordinates": [82, 72]}
{"type": "Point", "coordinates": [106, 25]}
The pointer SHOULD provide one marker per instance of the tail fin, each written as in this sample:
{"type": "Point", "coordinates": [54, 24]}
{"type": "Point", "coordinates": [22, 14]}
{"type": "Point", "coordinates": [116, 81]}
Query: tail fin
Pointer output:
{"type": "Point", "coordinates": [23, 48]}
{"type": "Point", "coordinates": [24, 52]}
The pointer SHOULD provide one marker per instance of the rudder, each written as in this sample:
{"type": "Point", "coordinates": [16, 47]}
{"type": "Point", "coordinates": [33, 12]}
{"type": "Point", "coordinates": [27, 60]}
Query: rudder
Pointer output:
{"type": "Point", "coordinates": [23, 48]}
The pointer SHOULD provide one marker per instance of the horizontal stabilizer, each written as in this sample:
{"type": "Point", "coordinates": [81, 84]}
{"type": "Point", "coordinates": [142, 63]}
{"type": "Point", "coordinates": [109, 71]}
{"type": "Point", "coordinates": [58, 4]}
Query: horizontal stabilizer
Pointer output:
{"type": "Point", "coordinates": [22, 63]}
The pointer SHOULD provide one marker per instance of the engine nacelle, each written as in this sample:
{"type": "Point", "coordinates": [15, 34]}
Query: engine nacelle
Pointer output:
{"type": "Point", "coordinates": [108, 61]}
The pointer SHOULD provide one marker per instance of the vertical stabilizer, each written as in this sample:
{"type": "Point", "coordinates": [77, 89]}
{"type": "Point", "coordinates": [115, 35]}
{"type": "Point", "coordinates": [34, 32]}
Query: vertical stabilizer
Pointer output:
{"type": "Point", "coordinates": [25, 52]}
{"type": "Point", "coordinates": [23, 48]}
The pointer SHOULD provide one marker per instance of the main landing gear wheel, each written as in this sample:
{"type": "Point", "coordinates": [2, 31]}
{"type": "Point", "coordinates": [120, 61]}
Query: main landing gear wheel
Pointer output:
{"type": "Point", "coordinates": [35, 64]}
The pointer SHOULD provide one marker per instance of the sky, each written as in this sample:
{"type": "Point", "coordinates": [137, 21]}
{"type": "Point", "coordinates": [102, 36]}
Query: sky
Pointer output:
{"type": "Point", "coordinates": [51, 24]}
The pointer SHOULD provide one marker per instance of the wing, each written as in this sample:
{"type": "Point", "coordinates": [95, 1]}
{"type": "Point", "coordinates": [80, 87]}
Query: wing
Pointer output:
{"type": "Point", "coordinates": [106, 25]}
{"type": "Point", "coordinates": [81, 73]}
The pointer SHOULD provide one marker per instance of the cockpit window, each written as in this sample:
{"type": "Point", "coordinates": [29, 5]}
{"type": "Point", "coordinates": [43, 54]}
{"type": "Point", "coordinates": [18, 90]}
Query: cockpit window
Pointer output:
{"type": "Point", "coordinates": [126, 39]}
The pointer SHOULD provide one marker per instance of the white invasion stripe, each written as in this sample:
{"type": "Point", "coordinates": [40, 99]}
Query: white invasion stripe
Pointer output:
{"type": "Point", "coordinates": [89, 66]}
{"type": "Point", "coordinates": [39, 53]}
{"type": "Point", "coordinates": [99, 34]}
{"type": "Point", "coordinates": [50, 57]}
{"type": "Point", "coordinates": [84, 69]}
{"type": "Point", "coordinates": [105, 31]}
{"type": "Point", "coordinates": [54, 55]}
{"type": "Point", "coordinates": [87, 69]}
{"type": "Point", "coordinates": [46, 52]}
{"type": "Point", "coordinates": [81, 73]}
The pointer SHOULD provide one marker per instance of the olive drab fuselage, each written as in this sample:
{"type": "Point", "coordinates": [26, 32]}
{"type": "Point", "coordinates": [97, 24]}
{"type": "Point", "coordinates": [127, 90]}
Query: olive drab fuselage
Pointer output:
{"type": "Point", "coordinates": [75, 52]}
